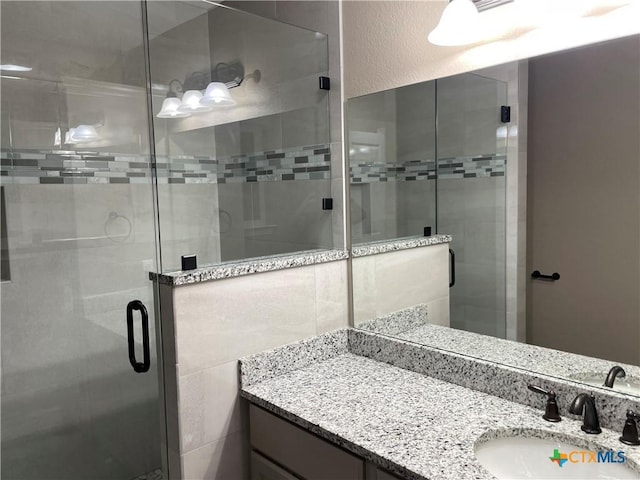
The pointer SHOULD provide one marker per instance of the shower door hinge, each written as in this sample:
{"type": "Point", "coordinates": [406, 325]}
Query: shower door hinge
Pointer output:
{"type": "Point", "coordinates": [505, 114]}
{"type": "Point", "coordinates": [327, 203]}
{"type": "Point", "coordinates": [325, 83]}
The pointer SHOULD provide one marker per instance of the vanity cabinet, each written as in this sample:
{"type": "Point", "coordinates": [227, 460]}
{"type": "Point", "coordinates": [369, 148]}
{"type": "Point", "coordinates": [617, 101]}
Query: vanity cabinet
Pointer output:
{"type": "Point", "coordinates": [281, 450]}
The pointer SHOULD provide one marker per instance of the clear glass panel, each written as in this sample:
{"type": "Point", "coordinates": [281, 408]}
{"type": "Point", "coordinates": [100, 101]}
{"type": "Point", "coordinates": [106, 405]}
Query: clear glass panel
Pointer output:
{"type": "Point", "coordinates": [78, 242]}
{"type": "Point", "coordinates": [392, 163]}
{"type": "Point", "coordinates": [471, 198]}
{"type": "Point", "coordinates": [245, 180]}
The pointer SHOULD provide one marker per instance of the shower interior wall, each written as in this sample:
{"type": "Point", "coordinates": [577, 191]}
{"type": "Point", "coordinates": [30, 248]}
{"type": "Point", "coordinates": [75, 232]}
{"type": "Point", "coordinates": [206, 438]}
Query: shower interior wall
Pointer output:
{"type": "Point", "coordinates": [282, 114]}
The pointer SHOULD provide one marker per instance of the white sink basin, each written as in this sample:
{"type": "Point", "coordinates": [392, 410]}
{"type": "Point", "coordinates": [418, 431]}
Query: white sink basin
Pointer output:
{"type": "Point", "coordinates": [622, 385]}
{"type": "Point", "coordinates": [533, 458]}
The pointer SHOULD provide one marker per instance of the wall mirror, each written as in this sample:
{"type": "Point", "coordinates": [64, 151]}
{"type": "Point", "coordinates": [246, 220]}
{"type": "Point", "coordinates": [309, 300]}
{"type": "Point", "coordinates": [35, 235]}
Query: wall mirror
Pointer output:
{"type": "Point", "coordinates": [532, 166]}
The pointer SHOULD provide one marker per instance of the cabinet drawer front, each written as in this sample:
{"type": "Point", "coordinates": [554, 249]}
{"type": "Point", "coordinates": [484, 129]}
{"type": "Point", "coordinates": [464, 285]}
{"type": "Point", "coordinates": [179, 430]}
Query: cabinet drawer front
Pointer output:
{"type": "Point", "coordinates": [300, 451]}
{"type": "Point", "coordinates": [263, 469]}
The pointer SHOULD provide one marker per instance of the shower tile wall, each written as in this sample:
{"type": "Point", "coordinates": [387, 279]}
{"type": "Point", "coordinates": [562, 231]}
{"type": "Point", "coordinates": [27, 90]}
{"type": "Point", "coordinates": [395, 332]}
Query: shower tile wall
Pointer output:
{"type": "Point", "coordinates": [472, 200]}
{"type": "Point", "coordinates": [207, 420]}
{"type": "Point", "coordinates": [59, 338]}
{"type": "Point", "coordinates": [392, 166]}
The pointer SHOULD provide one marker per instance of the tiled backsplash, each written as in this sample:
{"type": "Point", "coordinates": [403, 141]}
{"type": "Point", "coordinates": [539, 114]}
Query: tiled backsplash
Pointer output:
{"type": "Point", "coordinates": [78, 167]}
{"type": "Point", "coordinates": [490, 165]}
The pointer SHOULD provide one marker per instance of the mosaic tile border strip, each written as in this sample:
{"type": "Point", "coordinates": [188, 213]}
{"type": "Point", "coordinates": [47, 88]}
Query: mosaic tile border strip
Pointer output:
{"type": "Point", "coordinates": [78, 167]}
{"type": "Point", "coordinates": [393, 172]}
{"type": "Point", "coordinates": [490, 165]}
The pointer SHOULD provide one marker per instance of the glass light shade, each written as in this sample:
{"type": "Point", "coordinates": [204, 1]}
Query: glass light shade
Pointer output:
{"type": "Point", "coordinates": [459, 25]}
{"type": "Point", "coordinates": [217, 95]}
{"type": "Point", "coordinates": [84, 133]}
{"type": "Point", "coordinates": [191, 103]}
{"type": "Point", "coordinates": [68, 136]}
{"type": "Point", "coordinates": [170, 109]}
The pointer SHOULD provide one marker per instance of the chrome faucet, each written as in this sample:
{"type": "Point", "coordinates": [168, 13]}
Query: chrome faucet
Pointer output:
{"type": "Point", "coordinates": [615, 372]}
{"type": "Point", "coordinates": [585, 405]}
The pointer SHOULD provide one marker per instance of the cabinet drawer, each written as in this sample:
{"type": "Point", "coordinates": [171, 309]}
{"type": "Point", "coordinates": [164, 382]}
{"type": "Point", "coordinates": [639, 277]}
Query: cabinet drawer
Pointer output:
{"type": "Point", "coordinates": [299, 451]}
{"type": "Point", "coordinates": [263, 469]}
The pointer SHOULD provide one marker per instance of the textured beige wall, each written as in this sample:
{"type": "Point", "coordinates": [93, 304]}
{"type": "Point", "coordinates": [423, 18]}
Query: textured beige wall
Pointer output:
{"type": "Point", "coordinates": [386, 46]}
{"type": "Point", "coordinates": [583, 184]}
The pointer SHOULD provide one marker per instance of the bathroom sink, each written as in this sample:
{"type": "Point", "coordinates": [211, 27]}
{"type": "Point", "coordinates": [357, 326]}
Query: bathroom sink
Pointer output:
{"type": "Point", "coordinates": [519, 457]}
{"type": "Point", "coordinates": [622, 385]}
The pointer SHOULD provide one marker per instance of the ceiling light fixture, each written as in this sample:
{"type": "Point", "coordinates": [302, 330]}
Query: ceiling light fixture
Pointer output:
{"type": "Point", "coordinates": [460, 22]}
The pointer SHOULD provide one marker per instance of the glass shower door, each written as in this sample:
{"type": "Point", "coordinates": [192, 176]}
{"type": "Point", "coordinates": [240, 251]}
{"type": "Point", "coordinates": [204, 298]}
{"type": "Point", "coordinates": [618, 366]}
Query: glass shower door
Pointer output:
{"type": "Point", "coordinates": [78, 242]}
{"type": "Point", "coordinates": [471, 193]}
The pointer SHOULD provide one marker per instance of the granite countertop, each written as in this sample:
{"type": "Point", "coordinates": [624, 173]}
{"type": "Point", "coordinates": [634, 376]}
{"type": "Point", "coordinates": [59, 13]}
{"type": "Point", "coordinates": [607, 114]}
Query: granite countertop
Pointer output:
{"type": "Point", "coordinates": [413, 425]}
{"type": "Point", "coordinates": [246, 267]}
{"type": "Point", "coordinates": [384, 246]}
{"type": "Point", "coordinates": [534, 358]}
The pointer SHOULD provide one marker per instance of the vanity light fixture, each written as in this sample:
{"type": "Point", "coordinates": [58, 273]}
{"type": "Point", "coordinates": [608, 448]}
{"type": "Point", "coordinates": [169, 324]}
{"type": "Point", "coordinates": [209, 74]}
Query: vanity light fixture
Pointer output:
{"type": "Point", "coordinates": [216, 85]}
{"type": "Point", "coordinates": [191, 103]}
{"type": "Point", "coordinates": [84, 133]}
{"type": "Point", "coordinates": [68, 136]}
{"type": "Point", "coordinates": [460, 22]}
{"type": "Point", "coordinates": [170, 107]}
{"type": "Point", "coordinates": [217, 95]}
{"type": "Point", "coordinates": [79, 134]}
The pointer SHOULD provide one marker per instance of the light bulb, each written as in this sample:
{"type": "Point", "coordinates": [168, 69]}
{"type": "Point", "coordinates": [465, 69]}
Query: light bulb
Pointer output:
{"type": "Point", "coordinates": [170, 109]}
{"type": "Point", "coordinates": [191, 103]}
{"type": "Point", "coordinates": [217, 95]}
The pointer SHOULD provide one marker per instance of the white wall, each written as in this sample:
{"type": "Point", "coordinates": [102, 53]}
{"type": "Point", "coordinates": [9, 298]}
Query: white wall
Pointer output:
{"type": "Point", "coordinates": [214, 324]}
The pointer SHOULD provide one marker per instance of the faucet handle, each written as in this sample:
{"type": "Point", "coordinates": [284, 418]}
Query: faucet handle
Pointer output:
{"type": "Point", "coordinates": [551, 413]}
{"type": "Point", "coordinates": [630, 430]}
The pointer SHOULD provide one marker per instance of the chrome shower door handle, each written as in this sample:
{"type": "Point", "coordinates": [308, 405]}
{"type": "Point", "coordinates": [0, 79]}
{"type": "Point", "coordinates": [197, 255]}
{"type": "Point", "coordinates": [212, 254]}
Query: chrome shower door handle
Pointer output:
{"type": "Point", "coordinates": [139, 367]}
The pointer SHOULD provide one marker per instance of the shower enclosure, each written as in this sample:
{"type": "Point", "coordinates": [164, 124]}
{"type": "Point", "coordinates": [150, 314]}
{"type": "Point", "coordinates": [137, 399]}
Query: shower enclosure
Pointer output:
{"type": "Point", "coordinates": [97, 191]}
{"type": "Point", "coordinates": [432, 156]}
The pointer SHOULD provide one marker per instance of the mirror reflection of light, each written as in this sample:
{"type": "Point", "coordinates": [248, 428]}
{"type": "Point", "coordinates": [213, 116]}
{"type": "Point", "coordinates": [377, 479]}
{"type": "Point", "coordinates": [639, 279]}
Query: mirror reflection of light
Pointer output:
{"type": "Point", "coordinates": [15, 68]}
